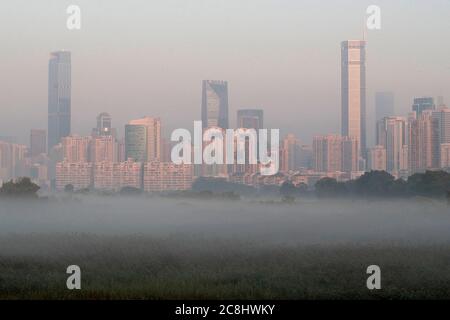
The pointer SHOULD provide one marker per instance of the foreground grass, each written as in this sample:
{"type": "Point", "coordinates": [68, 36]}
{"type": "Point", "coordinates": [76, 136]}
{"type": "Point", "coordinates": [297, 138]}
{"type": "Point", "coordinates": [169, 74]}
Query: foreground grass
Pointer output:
{"type": "Point", "coordinates": [141, 267]}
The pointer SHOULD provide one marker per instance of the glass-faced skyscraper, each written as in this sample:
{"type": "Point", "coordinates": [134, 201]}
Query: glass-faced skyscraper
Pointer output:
{"type": "Point", "coordinates": [250, 118]}
{"type": "Point", "coordinates": [143, 139]}
{"type": "Point", "coordinates": [353, 91]}
{"type": "Point", "coordinates": [59, 97]}
{"type": "Point", "coordinates": [104, 127]}
{"type": "Point", "coordinates": [215, 104]}
{"type": "Point", "coordinates": [422, 104]}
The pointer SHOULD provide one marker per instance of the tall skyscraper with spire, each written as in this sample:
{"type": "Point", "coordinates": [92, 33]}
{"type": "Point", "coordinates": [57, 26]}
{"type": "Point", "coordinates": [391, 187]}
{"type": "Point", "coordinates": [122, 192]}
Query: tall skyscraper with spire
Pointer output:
{"type": "Point", "coordinates": [59, 97]}
{"type": "Point", "coordinates": [215, 104]}
{"type": "Point", "coordinates": [353, 91]}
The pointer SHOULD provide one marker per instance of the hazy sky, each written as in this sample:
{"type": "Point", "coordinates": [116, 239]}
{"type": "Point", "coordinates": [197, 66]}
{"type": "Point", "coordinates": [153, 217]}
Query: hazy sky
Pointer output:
{"type": "Point", "coordinates": [147, 57]}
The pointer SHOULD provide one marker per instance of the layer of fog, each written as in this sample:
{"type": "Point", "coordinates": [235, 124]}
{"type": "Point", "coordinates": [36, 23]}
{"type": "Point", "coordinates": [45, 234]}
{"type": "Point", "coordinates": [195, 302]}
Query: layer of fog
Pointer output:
{"type": "Point", "coordinates": [305, 222]}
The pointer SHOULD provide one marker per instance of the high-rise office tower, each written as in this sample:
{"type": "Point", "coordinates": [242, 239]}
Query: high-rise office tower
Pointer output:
{"type": "Point", "coordinates": [334, 153]}
{"type": "Point", "coordinates": [424, 147]}
{"type": "Point", "coordinates": [215, 104]}
{"type": "Point", "coordinates": [104, 125]}
{"type": "Point", "coordinates": [290, 156]}
{"type": "Point", "coordinates": [392, 135]}
{"type": "Point", "coordinates": [59, 97]}
{"type": "Point", "coordinates": [445, 156]}
{"type": "Point", "coordinates": [11, 155]}
{"type": "Point", "coordinates": [38, 142]}
{"type": "Point", "coordinates": [143, 139]}
{"type": "Point", "coordinates": [384, 105]}
{"type": "Point", "coordinates": [250, 119]}
{"type": "Point", "coordinates": [350, 154]}
{"type": "Point", "coordinates": [327, 153]}
{"type": "Point", "coordinates": [443, 117]}
{"type": "Point", "coordinates": [136, 142]}
{"type": "Point", "coordinates": [353, 91]}
{"type": "Point", "coordinates": [422, 104]}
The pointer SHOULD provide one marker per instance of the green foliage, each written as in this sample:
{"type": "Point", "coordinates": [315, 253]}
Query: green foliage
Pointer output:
{"type": "Point", "coordinates": [21, 188]}
{"type": "Point", "coordinates": [430, 183]}
{"type": "Point", "coordinates": [329, 187]}
{"type": "Point", "coordinates": [145, 267]}
{"type": "Point", "coordinates": [374, 183]}
{"type": "Point", "coordinates": [69, 188]}
{"type": "Point", "coordinates": [382, 184]}
{"type": "Point", "coordinates": [288, 190]}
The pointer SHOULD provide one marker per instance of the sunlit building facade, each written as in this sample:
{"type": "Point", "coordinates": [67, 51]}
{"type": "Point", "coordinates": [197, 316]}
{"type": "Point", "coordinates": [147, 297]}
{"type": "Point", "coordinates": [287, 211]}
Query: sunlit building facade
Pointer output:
{"type": "Point", "coordinates": [167, 176]}
{"type": "Point", "coordinates": [215, 104]}
{"type": "Point", "coordinates": [353, 91]}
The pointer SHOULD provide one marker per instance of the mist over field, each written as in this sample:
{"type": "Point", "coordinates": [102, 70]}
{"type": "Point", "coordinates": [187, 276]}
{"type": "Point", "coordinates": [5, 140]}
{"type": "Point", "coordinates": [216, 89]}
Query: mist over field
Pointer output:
{"type": "Point", "coordinates": [304, 222]}
{"type": "Point", "coordinates": [177, 248]}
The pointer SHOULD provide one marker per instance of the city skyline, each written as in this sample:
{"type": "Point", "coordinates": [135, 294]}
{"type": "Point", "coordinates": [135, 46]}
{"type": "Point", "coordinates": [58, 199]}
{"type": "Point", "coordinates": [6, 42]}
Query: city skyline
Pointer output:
{"type": "Point", "coordinates": [282, 69]}
{"type": "Point", "coordinates": [403, 146]}
{"type": "Point", "coordinates": [203, 152]}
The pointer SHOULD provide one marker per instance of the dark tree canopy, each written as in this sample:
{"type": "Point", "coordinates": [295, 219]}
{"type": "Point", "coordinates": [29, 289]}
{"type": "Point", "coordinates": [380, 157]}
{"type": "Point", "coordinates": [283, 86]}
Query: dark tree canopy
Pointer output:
{"type": "Point", "coordinates": [382, 184]}
{"type": "Point", "coordinates": [69, 188]}
{"type": "Point", "coordinates": [21, 188]}
{"type": "Point", "coordinates": [329, 187]}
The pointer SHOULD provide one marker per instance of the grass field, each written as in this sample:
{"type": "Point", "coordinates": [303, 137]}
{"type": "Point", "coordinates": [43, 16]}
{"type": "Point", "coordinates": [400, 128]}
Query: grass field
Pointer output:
{"type": "Point", "coordinates": [234, 258]}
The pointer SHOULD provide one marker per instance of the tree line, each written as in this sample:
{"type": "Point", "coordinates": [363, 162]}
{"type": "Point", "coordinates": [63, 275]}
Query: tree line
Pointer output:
{"type": "Point", "coordinates": [435, 184]}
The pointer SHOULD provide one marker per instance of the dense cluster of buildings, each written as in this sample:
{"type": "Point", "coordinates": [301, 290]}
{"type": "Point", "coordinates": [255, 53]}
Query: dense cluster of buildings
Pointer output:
{"type": "Point", "coordinates": [140, 159]}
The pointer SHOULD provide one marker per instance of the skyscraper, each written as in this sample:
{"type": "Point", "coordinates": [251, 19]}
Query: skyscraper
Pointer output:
{"type": "Point", "coordinates": [443, 117]}
{"type": "Point", "coordinates": [290, 153]}
{"type": "Point", "coordinates": [11, 155]}
{"type": "Point", "coordinates": [104, 126]}
{"type": "Point", "coordinates": [424, 147]}
{"type": "Point", "coordinates": [143, 139]}
{"type": "Point", "coordinates": [215, 104]}
{"type": "Point", "coordinates": [327, 153]}
{"type": "Point", "coordinates": [350, 154]}
{"type": "Point", "coordinates": [353, 91]}
{"type": "Point", "coordinates": [38, 142]}
{"type": "Point", "coordinates": [384, 105]}
{"type": "Point", "coordinates": [334, 153]}
{"type": "Point", "coordinates": [422, 104]}
{"type": "Point", "coordinates": [250, 118]}
{"type": "Point", "coordinates": [392, 135]}
{"type": "Point", "coordinates": [59, 97]}
{"type": "Point", "coordinates": [136, 142]}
